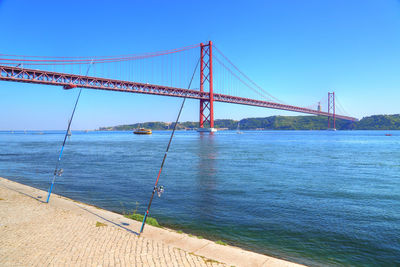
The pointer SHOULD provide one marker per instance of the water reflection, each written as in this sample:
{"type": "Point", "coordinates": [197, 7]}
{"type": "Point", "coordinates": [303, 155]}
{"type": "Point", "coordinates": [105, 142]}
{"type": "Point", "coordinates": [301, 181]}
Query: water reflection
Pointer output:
{"type": "Point", "coordinates": [206, 179]}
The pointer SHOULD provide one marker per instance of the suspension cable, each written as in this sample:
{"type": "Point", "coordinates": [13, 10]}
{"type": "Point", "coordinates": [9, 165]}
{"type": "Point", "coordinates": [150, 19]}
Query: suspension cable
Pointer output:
{"type": "Point", "coordinates": [27, 60]}
{"type": "Point", "coordinates": [247, 77]}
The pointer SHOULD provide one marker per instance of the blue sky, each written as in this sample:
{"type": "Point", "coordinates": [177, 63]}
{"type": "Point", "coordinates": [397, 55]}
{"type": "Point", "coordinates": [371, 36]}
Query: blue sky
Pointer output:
{"type": "Point", "coordinates": [296, 50]}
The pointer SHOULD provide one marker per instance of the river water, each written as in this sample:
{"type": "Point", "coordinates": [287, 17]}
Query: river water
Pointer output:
{"type": "Point", "coordinates": [314, 197]}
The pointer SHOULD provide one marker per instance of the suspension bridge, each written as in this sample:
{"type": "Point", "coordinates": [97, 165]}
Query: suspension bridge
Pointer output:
{"type": "Point", "coordinates": [164, 73]}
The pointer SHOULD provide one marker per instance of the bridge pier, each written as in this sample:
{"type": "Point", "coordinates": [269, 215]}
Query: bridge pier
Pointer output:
{"type": "Point", "coordinates": [206, 78]}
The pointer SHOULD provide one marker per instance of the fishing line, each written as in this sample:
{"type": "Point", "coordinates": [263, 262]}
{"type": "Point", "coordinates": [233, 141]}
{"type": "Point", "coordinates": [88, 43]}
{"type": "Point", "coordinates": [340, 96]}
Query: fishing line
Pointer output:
{"type": "Point", "coordinates": [160, 189]}
{"type": "Point", "coordinates": [57, 171]}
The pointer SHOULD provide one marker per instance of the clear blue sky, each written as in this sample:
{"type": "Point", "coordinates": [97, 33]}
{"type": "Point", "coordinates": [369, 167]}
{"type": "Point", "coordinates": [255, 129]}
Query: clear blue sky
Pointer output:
{"type": "Point", "coordinates": [297, 50]}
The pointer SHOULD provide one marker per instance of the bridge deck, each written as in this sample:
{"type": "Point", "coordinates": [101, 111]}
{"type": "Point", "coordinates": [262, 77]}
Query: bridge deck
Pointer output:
{"type": "Point", "coordinates": [16, 74]}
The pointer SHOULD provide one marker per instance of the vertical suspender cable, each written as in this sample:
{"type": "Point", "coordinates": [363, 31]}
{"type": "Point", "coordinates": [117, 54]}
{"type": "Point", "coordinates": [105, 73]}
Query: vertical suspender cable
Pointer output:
{"type": "Point", "coordinates": [165, 154]}
{"type": "Point", "coordinates": [58, 172]}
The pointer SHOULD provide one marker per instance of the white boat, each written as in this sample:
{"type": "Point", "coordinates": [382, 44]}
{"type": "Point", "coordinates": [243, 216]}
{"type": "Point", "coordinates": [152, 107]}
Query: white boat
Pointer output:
{"type": "Point", "coordinates": [206, 130]}
{"type": "Point", "coordinates": [238, 129]}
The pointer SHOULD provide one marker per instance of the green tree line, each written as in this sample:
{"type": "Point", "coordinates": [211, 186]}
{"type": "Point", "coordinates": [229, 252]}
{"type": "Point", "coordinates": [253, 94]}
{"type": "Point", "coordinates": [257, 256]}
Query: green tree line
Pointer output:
{"type": "Point", "coordinates": [375, 122]}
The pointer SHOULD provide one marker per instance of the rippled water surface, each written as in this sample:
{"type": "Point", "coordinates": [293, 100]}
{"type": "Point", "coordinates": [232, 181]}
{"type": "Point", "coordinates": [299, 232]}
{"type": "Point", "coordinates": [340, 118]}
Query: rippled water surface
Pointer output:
{"type": "Point", "coordinates": [314, 197]}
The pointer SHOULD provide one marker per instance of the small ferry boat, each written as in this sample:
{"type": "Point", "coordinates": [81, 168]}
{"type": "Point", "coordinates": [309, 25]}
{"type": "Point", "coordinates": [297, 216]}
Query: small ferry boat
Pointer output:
{"type": "Point", "coordinates": [142, 131]}
{"type": "Point", "coordinates": [388, 134]}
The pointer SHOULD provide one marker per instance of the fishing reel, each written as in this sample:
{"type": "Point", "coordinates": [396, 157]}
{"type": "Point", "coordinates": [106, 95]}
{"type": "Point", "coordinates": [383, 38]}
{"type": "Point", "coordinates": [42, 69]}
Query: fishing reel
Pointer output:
{"type": "Point", "coordinates": [159, 189]}
{"type": "Point", "coordinates": [58, 172]}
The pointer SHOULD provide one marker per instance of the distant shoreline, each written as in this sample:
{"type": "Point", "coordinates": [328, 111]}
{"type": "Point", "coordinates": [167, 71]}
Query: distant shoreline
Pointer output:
{"type": "Point", "coordinates": [375, 122]}
{"type": "Point", "coordinates": [279, 123]}
{"type": "Point", "coordinates": [180, 130]}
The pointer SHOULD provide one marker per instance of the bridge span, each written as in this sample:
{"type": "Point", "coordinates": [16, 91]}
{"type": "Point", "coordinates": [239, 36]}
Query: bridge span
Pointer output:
{"type": "Point", "coordinates": [69, 81]}
{"type": "Point", "coordinates": [13, 68]}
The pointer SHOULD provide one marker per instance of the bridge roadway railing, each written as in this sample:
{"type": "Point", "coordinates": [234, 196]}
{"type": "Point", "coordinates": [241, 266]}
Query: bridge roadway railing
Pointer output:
{"type": "Point", "coordinates": [68, 81]}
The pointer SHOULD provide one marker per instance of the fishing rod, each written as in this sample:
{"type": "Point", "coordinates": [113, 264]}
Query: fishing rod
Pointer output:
{"type": "Point", "coordinates": [57, 171]}
{"type": "Point", "coordinates": [160, 189]}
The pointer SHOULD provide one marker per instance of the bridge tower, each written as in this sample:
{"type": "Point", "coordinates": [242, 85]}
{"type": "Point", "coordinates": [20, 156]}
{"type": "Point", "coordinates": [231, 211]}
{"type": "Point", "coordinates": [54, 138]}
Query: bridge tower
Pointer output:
{"type": "Point", "coordinates": [206, 83]}
{"type": "Point", "coordinates": [331, 109]}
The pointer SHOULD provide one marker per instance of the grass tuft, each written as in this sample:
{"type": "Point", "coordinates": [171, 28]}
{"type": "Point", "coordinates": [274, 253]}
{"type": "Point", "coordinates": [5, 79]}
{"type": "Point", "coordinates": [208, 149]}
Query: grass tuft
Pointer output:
{"type": "Point", "coordinates": [139, 217]}
{"type": "Point", "coordinates": [99, 224]}
{"type": "Point", "coordinates": [220, 242]}
{"type": "Point", "coordinates": [1, 198]}
{"type": "Point", "coordinates": [199, 237]}
{"type": "Point", "coordinates": [179, 232]}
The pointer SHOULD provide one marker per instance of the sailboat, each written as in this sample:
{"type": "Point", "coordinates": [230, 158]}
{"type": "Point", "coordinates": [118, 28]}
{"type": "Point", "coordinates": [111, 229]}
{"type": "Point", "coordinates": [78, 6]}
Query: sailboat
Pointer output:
{"type": "Point", "coordinates": [238, 129]}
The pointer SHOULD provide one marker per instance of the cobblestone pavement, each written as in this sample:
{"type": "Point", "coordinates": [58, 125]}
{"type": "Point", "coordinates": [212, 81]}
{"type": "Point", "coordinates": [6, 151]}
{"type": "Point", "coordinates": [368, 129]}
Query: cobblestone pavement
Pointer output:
{"type": "Point", "coordinates": [38, 234]}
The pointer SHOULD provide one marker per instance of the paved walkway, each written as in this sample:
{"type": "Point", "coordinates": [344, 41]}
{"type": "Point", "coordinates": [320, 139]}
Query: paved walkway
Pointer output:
{"type": "Point", "coordinates": [67, 233]}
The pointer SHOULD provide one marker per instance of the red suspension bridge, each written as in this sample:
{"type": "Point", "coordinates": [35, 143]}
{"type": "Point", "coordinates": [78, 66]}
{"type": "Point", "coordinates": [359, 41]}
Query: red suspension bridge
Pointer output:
{"type": "Point", "coordinates": [164, 73]}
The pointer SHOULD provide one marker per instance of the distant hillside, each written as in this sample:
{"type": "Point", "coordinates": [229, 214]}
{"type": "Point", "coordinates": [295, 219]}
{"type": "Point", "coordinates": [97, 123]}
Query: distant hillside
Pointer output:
{"type": "Point", "coordinates": [380, 122]}
{"type": "Point", "coordinates": [375, 122]}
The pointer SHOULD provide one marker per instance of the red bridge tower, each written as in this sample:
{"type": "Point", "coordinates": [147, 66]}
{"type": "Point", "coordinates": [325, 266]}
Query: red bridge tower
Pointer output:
{"type": "Point", "coordinates": [206, 77]}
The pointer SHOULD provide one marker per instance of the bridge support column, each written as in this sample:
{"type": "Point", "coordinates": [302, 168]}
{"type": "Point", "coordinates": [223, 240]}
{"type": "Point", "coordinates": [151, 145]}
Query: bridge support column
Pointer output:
{"type": "Point", "coordinates": [206, 78]}
{"type": "Point", "coordinates": [331, 110]}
